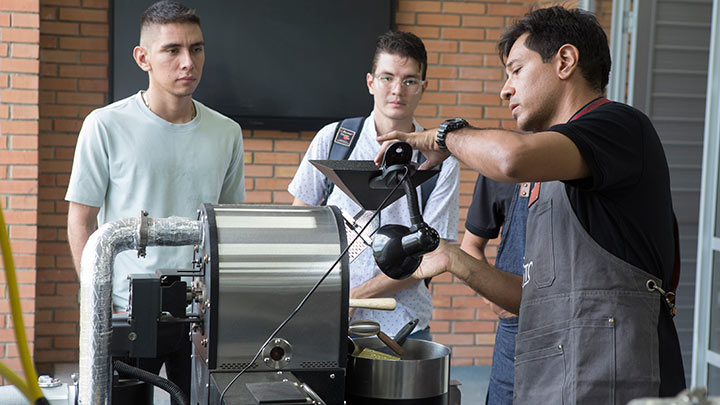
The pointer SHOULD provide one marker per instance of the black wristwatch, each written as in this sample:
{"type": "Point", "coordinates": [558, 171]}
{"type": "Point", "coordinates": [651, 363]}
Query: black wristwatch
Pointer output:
{"type": "Point", "coordinates": [447, 127]}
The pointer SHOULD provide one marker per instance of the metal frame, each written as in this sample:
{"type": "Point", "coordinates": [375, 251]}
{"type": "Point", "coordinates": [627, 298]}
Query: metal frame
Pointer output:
{"type": "Point", "coordinates": [588, 5]}
{"type": "Point", "coordinates": [623, 24]}
{"type": "Point", "coordinates": [626, 17]}
{"type": "Point", "coordinates": [708, 242]}
{"type": "Point", "coordinates": [639, 92]}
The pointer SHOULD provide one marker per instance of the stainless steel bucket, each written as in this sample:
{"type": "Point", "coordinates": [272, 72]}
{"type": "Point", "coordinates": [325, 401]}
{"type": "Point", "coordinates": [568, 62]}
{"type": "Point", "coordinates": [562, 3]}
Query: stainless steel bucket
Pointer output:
{"type": "Point", "coordinates": [423, 373]}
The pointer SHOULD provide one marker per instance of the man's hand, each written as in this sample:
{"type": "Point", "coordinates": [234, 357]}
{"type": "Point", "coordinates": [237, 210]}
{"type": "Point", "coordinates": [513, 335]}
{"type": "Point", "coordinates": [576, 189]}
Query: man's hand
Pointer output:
{"type": "Point", "coordinates": [436, 262]}
{"type": "Point", "coordinates": [422, 141]}
{"type": "Point", "coordinates": [498, 310]}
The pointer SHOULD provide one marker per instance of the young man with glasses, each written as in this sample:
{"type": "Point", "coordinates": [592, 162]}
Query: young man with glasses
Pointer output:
{"type": "Point", "coordinates": [397, 83]}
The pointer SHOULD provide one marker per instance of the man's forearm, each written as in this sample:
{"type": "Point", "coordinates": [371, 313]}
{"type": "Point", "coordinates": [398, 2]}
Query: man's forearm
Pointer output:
{"type": "Point", "coordinates": [502, 155]}
{"type": "Point", "coordinates": [504, 289]}
{"type": "Point", "coordinates": [491, 152]}
{"type": "Point", "coordinates": [82, 222]}
{"type": "Point", "coordinates": [78, 237]}
{"type": "Point", "coordinates": [514, 157]}
{"type": "Point", "coordinates": [380, 286]}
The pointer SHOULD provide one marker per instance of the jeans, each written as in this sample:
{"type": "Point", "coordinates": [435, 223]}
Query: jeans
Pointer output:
{"type": "Point", "coordinates": [502, 374]}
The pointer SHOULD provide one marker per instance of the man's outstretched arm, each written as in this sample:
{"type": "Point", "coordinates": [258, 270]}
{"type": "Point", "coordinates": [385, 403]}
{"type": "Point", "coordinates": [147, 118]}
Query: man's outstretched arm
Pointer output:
{"type": "Point", "coordinates": [475, 246]}
{"type": "Point", "coordinates": [502, 155]}
{"type": "Point", "coordinates": [502, 288]}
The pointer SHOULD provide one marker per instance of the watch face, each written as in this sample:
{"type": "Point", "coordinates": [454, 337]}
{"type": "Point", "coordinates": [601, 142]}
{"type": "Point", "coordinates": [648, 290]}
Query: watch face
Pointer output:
{"type": "Point", "coordinates": [457, 123]}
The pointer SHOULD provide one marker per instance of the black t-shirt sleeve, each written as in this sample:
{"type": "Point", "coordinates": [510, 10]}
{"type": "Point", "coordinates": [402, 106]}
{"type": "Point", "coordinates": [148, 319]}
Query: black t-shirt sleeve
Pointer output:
{"type": "Point", "coordinates": [490, 204]}
{"type": "Point", "coordinates": [610, 141]}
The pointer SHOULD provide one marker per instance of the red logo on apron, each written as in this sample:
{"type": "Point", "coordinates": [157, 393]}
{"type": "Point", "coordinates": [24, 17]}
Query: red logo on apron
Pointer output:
{"type": "Point", "coordinates": [534, 194]}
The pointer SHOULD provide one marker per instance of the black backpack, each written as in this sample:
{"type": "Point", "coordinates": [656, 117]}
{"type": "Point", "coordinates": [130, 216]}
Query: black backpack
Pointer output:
{"type": "Point", "coordinates": [347, 133]}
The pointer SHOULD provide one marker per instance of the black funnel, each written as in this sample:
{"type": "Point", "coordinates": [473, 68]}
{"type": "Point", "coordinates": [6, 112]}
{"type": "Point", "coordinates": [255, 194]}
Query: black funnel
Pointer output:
{"type": "Point", "coordinates": [353, 178]}
{"type": "Point", "coordinates": [397, 249]}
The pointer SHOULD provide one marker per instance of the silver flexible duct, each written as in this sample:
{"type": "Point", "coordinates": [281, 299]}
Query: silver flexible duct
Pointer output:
{"type": "Point", "coordinates": [96, 291]}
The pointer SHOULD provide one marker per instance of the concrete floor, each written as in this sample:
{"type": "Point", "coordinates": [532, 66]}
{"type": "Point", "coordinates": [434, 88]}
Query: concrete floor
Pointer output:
{"type": "Point", "coordinates": [474, 382]}
{"type": "Point", "coordinates": [65, 370]}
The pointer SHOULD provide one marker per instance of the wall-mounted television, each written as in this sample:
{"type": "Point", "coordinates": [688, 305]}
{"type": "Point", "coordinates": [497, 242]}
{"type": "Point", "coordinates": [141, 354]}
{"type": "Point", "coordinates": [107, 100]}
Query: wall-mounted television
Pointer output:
{"type": "Point", "coordinates": [270, 64]}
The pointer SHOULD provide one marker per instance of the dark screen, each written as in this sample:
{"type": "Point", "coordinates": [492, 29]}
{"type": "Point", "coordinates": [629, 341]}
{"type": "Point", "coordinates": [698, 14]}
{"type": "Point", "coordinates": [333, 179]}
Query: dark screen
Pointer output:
{"type": "Point", "coordinates": [270, 64]}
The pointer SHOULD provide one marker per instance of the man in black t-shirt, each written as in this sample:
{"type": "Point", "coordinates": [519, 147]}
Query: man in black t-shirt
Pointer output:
{"type": "Point", "coordinates": [595, 325]}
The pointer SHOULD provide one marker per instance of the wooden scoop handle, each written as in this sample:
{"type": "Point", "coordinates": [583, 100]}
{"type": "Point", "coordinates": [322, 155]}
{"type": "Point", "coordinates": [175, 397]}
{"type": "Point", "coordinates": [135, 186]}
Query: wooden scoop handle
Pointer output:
{"type": "Point", "coordinates": [386, 304]}
{"type": "Point", "coordinates": [390, 343]}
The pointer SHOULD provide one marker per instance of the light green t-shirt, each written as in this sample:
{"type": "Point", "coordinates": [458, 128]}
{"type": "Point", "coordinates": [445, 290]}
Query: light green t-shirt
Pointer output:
{"type": "Point", "coordinates": [128, 159]}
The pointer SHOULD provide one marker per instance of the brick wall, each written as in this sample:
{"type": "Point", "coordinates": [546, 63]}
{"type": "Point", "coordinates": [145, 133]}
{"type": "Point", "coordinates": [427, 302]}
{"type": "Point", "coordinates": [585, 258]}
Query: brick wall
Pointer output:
{"type": "Point", "coordinates": [73, 81]}
{"type": "Point", "coordinates": [19, 38]}
{"type": "Point", "coordinates": [465, 77]}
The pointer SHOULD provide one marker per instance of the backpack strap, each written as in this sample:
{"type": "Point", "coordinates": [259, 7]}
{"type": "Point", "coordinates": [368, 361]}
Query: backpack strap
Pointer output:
{"type": "Point", "coordinates": [346, 135]}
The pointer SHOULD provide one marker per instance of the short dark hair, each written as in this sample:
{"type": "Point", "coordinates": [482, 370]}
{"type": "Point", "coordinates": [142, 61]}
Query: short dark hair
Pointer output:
{"type": "Point", "coordinates": [401, 43]}
{"type": "Point", "coordinates": [168, 12]}
{"type": "Point", "coordinates": [550, 28]}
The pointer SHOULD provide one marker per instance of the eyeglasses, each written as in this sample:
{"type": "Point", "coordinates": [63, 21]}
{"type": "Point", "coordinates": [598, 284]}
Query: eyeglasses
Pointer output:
{"type": "Point", "coordinates": [410, 84]}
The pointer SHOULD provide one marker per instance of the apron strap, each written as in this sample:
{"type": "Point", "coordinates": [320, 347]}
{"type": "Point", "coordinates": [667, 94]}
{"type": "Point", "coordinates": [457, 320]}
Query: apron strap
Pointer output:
{"type": "Point", "coordinates": [676, 265]}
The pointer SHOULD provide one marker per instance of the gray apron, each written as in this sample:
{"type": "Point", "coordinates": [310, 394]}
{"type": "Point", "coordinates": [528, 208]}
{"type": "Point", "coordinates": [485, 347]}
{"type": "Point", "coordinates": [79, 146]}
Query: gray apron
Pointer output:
{"type": "Point", "coordinates": [588, 331]}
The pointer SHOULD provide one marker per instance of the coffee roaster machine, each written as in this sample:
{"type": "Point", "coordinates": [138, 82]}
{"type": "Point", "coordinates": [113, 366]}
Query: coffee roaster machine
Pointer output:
{"type": "Point", "coordinates": [267, 318]}
{"type": "Point", "coordinates": [257, 264]}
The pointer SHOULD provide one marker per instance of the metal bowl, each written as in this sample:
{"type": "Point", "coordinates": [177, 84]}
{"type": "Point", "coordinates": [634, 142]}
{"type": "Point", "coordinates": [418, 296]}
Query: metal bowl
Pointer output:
{"type": "Point", "coordinates": [422, 372]}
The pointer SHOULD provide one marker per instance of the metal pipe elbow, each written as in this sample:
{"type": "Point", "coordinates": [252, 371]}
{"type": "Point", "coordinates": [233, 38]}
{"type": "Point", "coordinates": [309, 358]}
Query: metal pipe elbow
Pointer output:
{"type": "Point", "coordinates": [96, 280]}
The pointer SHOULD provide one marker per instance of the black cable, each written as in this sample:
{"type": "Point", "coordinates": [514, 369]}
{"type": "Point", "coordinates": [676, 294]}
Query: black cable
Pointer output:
{"type": "Point", "coordinates": [312, 290]}
{"type": "Point", "coordinates": [164, 384]}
